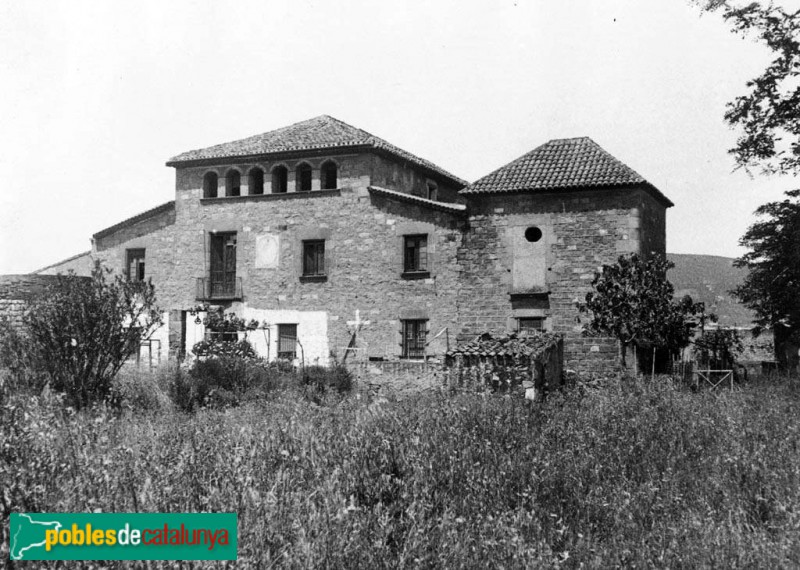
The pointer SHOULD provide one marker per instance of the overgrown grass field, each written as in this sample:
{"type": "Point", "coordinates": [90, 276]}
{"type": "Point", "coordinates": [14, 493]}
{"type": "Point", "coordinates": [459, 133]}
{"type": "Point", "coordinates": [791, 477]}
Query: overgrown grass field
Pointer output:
{"type": "Point", "coordinates": [634, 473]}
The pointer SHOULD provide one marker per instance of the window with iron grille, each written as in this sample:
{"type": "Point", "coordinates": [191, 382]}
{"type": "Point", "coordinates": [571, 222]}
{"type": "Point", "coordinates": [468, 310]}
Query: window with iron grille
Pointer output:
{"type": "Point", "coordinates": [134, 267]}
{"type": "Point", "coordinates": [530, 324]}
{"type": "Point", "coordinates": [287, 342]}
{"type": "Point", "coordinates": [414, 332]}
{"type": "Point", "coordinates": [314, 257]}
{"type": "Point", "coordinates": [415, 253]}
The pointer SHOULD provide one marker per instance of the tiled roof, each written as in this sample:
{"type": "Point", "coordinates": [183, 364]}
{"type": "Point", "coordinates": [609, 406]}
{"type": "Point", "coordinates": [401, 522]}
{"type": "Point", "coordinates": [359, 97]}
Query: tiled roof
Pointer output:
{"type": "Point", "coordinates": [451, 207]}
{"type": "Point", "coordinates": [514, 345]}
{"type": "Point", "coordinates": [560, 164]}
{"type": "Point", "coordinates": [67, 260]}
{"type": "Point", "coordinates": [166, 207]}
{"type": "Point", "coordinates": [323, 132]}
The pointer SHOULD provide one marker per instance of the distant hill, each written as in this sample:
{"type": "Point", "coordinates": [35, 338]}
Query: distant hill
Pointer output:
{"type": "Point", "coordinates": [709, 278]}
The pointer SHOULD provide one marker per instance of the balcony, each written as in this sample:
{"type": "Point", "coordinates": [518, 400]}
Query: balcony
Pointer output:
{"type": "Point", "coordinates": [218, 290]}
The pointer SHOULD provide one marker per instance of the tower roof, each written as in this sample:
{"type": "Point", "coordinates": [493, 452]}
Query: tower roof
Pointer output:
{"type": "Point", "coordinates": [323, 132]}
{"type": "Point", "coordinates": [561, 164]}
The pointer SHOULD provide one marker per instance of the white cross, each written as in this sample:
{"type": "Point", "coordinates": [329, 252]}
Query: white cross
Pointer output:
{"type": "Point", "coordinates": [358, 323]}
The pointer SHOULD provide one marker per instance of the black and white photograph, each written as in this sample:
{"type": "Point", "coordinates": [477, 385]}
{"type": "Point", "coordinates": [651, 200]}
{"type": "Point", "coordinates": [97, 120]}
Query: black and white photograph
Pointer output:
{"type": "Point", "coordinates": [402, 284]}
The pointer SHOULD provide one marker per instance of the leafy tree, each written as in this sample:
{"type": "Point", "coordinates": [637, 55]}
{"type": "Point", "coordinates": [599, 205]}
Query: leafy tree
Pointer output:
{"type": "Point", "coordinates": [772, 286]}
{"type": "Point", "coordinates": [80, 332]}
{"type": "Point", "coordinates": [768, 113]}
{"type": "Point", "coordinates": [633, 302]}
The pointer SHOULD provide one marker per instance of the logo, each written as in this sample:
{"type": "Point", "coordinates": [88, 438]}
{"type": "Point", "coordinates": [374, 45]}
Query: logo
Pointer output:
{"type": "Point", "coordinates": [123, 536]}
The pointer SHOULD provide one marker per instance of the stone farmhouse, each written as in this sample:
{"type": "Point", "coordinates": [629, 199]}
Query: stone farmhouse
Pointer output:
{"type": "Point", "coordinates": [326, 232]}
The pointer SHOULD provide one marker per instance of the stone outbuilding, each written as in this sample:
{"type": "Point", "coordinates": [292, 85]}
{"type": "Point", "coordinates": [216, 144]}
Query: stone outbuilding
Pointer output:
{"type": "Point", "coordinates": [342, 244]}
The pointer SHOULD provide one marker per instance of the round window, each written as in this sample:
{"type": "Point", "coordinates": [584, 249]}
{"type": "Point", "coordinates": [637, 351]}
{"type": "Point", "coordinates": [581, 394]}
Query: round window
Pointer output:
{"type": "Point", "coordinates": [533, 234]}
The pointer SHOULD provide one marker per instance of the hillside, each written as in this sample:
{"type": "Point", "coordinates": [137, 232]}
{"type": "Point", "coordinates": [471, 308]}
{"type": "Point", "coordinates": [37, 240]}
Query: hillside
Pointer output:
{"type": "Point", "coordinates": [709, 278]}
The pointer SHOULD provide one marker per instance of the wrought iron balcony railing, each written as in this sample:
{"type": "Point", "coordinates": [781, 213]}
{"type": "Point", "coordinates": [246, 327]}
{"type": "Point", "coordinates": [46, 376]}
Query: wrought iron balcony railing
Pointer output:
{"type": "Point", "coordinates": [229, 289]}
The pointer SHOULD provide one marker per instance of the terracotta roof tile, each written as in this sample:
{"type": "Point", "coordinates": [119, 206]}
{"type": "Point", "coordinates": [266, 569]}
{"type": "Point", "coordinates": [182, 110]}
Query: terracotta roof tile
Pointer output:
{"type": "Point", "coordinates": [560, 164]}
{"type": "Point", "coordinates": [323, 132]}
{"type": "Point", "coordinates": [486, 345]}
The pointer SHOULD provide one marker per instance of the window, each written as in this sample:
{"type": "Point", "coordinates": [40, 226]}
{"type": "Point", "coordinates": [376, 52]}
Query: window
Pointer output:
{"type": "Point", "coordinates": [314, 257]}
{"type": "Point", "coordinates": [415, 254]}
{"type": "Point", "coordinates": [223, 284]}
{"type": "Point", "coordinates": [287, 342]}
{"type": "Point", "coordinates": [255, 181]}
{"type": "Point", "coordinates": [328, 174]}
{"type": "Point", "coordinates": [304, 178]}
{"type": "Point", "coordinates": [414, 332]}
{"type": "Point", "coordinates": [280, 177]}
{"type": "Point", "coordinates": [530, 324]}
{"type": "Point", "coordinates": [233, 183]}
{"type": "Point", "coordinates": [433, 191]}
{"type": "Point", "coordinates": [210, 185]}
{"type": "Point", "coordinates": [134, 266]}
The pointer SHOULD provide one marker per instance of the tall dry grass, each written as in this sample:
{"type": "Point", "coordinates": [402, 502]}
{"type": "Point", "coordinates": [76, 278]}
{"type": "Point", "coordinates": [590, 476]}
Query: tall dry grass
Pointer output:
{"type": "Point", "coordinates": [633, 474]}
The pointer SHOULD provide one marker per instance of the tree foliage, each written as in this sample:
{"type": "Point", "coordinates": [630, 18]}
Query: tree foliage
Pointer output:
{"type": "Point", "coordinates": [772, 286]}
{"type": "Point", "coordinates": [80, 332]}
{"type": "Point", "coordinates": [768, 113]}
{"type": "Point", "coordinates": [633, 301]}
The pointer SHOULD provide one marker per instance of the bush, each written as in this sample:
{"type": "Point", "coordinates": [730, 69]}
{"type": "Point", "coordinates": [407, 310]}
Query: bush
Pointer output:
{"type": "Point", "coordinates": [224, 381]}
{"type": "Point", "coordinates": [79, 333]}
{"type": "Point", "coordinates": [223, 348]}
{"type": "Point", "coordinates": [335, 377]}
{"type": "Point", "coordinates": [143, 390]}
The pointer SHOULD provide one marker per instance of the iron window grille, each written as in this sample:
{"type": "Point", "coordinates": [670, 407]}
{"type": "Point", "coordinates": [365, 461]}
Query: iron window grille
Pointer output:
{"type": "Point", "coordinates": [287, 342]}
{"type": "Point", "coordinates": [530, 324]}
{"type": "Point", "coordinates": [414, 333]}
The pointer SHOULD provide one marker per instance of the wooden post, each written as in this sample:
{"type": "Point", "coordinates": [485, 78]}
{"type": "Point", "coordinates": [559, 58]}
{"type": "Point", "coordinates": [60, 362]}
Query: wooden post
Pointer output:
{"type": "Point", "coordinates": [653, 367]}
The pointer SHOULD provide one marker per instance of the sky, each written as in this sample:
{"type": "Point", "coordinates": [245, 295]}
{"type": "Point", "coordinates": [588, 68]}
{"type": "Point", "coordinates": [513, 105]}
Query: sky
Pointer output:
{"type": "Point", "coordinates": [96, 96]}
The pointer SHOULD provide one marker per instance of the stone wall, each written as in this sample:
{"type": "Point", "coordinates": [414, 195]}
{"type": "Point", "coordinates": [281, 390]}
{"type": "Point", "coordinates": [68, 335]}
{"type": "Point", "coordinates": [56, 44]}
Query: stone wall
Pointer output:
{"type": "Point", "coordinates": [580, 231]}
{"type": "Point", "coordinates": [363, 236]}
{"type": "Point", "coordinates": [16, 291]}
{"type": "Point", "coordinates": [485, 270]}
{"type": "Point", "coordinates": [397, 377]}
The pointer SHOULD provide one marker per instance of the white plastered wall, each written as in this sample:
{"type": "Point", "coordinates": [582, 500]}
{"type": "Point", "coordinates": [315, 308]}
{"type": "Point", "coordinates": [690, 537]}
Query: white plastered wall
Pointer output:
{"type": "Point", "coordinates": [312, 332]}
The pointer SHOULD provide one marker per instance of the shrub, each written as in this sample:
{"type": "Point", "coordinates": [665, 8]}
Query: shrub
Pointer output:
{"type": "Point", "coordinates": [336, 377]}
{"type": "Point", "coordinates": [142, 390]}
{"type": "Point", "coordinates": [223, 381]}
{"type": "Point", "coordinates": [225, 348]}
{"type": "Point", "coordinates": [80, 332]}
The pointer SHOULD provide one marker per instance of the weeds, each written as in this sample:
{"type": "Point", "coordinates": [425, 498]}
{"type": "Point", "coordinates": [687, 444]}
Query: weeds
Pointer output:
{"type": "Point", "coordinates": [633, 474]}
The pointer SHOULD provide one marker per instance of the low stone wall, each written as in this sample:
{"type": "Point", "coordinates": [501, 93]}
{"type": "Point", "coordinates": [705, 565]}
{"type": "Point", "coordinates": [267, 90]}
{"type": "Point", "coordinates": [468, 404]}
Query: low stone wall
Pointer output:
{"type": "Point", "coordinates": [397, 376]}
{"type": "Point", "coordinates": [16, 291]}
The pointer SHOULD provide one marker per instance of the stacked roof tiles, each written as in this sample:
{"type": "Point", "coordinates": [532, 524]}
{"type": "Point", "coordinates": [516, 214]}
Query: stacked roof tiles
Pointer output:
{"type": "Point", "coordinates": [513, 345]}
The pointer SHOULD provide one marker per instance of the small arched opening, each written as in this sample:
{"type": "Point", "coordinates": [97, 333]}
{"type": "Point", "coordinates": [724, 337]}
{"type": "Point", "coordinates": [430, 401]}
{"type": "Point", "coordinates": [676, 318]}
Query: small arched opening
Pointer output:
{"type": "Point", "coordinates": [233, 183]}
{"type": "Point", "coordinates": [280, 177]}
{"type": "Point", "coordinates": [210, 185]}
{"type": "Point", "coordinates": [255, 181]}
